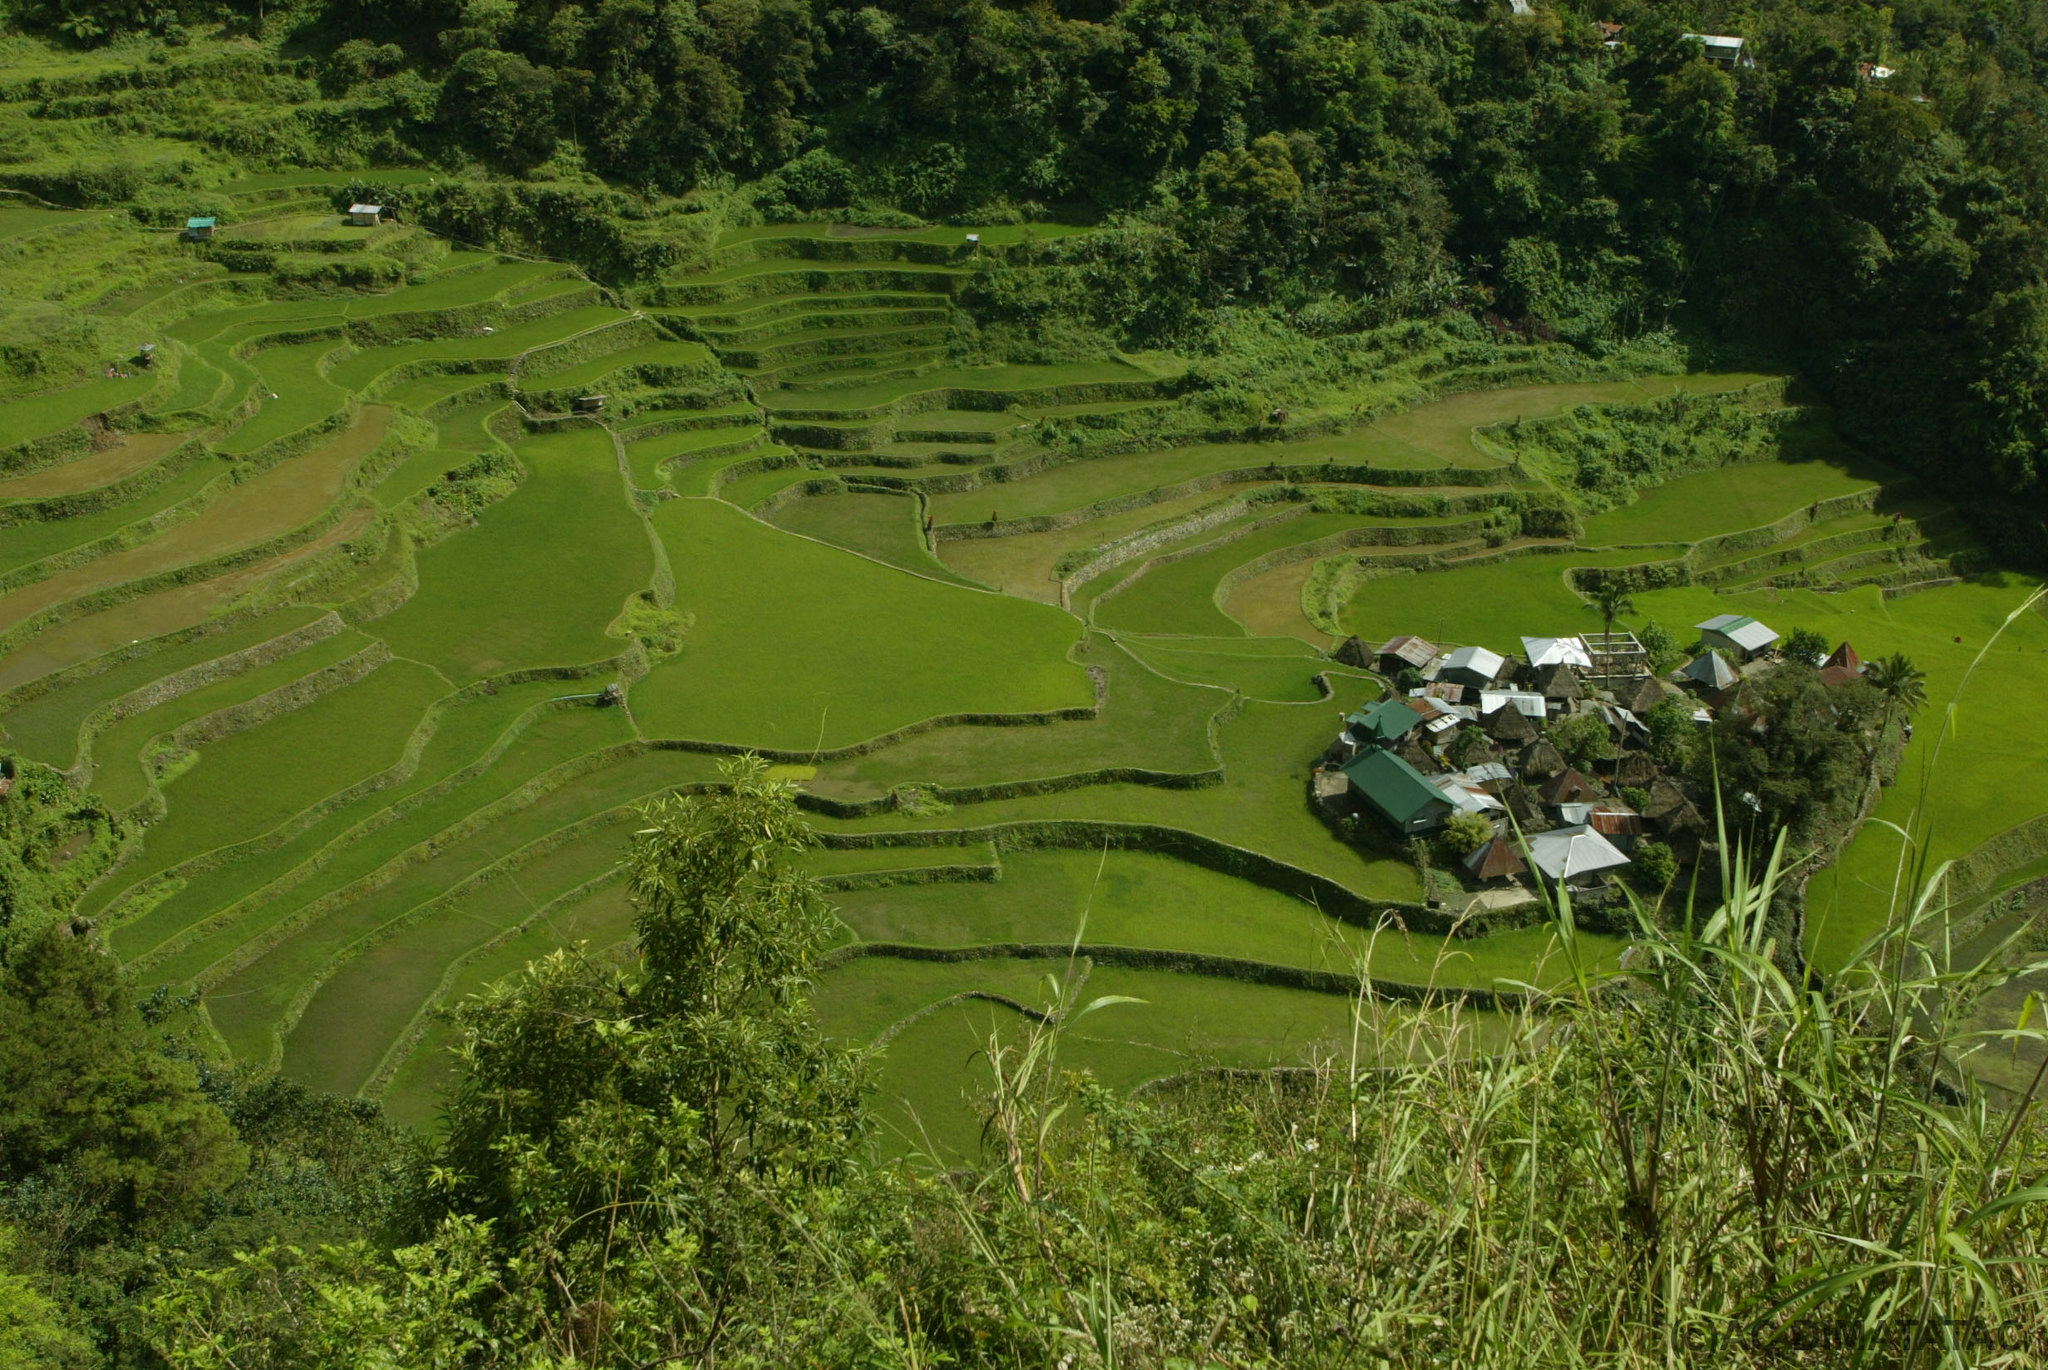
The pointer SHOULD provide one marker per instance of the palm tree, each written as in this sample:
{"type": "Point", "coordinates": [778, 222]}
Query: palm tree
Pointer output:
{"type": "Point", "coordinates": [1904, 687]}
{"type": "Point", "coordinates": [1611, 601]}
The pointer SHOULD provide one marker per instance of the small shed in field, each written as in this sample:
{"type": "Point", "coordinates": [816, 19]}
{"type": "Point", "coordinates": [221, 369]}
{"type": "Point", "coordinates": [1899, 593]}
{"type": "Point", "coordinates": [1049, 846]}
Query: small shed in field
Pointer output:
{"type": "Point", "coordinates": [365, 216]}
{"type": "Point", "coordinates": [1353, 652]}
{"type": "Point", "coordinates": [1723, 49]}
{"type": "Point", "coordinates": [201, 228]}
{"type": "Point", "coordinates": [1736, 636]}
{"type": "Point", "coordinates": [1398, 654]}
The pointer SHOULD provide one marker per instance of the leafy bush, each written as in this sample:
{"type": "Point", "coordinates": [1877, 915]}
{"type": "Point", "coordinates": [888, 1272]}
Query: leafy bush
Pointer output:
{"type": "Point", "coordinates": [1582, 738]}
{"type": "Point", "coordinates": [504, 105]}
{"type": "Point", "coordinates": [1661, 644]}
{"type": "Point", "coordinates": [1804, 644]}
{"type": "Point", "coordinates": [1652, 866]}
{"type": "Point", "coordinates": [1465, 833]}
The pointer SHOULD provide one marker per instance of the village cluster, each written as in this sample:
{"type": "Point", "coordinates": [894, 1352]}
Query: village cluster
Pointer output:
{"type": "Point", "coordinates": [1469, 742]}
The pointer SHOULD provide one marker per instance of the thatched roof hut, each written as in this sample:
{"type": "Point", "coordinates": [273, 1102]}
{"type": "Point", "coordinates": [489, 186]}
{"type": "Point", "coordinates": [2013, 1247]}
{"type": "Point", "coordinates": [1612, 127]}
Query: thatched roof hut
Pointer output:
{"type": "Point", "coordinates": [1665, 797]}
{"type": "Point", "coordinates": [1559, 682]}
{"type": "Point", "coordinates": [1541, 760]}
{"type": "Point", "coordinates": [1648, 693]}
{"type": "Point", "coordinates": [1352, 652]}
{"type": "Point", "coordinates": [1680, 824]}
{"type": "Point", "coordinates": [1411, 750]}
{"type": "Point", "coordinates": [1508, 724]}
{"type": "Point", "coordinates": [1635, 768]}
{"type": "Point", "coordinates": [1526, 807]}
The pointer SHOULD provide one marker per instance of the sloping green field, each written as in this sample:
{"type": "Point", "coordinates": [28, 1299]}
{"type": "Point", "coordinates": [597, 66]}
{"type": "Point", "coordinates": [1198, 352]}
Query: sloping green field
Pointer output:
{"type": "Point", "coordinates": [1089, 714]}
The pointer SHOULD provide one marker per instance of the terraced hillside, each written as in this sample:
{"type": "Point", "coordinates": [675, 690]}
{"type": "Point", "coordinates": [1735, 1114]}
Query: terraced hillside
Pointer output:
{"type": "Point", "coordinates": [332, 598]}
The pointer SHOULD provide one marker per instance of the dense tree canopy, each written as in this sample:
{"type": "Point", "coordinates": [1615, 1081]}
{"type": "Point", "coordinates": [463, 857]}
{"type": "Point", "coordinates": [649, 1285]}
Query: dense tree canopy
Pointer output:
{"type": "Point", "coordinates": [1883, 232]}
{"type": "Point", "coordinates": [86, 1104]}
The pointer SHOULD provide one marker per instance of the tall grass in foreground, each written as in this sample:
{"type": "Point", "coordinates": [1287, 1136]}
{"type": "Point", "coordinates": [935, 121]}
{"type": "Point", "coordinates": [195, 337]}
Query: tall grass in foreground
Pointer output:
{"type": "Point", "coordinates": [1702, 1159]}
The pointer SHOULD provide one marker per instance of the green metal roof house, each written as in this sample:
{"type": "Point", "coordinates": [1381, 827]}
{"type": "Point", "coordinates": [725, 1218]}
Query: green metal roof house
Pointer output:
{"type": "Point", "coordinates": [1397, 790]}
{"type": "Point", "coordinates": [199, 227]}
{"type": "Point", "coordinates": [1387, 721]}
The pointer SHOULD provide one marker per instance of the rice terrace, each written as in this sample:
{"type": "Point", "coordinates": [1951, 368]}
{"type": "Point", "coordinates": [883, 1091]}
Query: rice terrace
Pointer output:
{"type": "Point", "coordinates": [380, 640]}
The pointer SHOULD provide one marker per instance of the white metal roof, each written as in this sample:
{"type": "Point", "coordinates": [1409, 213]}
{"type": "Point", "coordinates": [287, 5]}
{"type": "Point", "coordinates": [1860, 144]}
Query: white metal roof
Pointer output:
{"type": "Point", "coordinates": [363, 209]}
{"type": "Point", "coordinates": [1467, 798]}
{"type": "Point", "coordinates": [1563, 853]}
{"type": "Point", "coordinates": [1557, 651]}
{"type": "Point", "coordinates": [1532, 705]}
{"type": "Point", "coordinates": [1740, 629]}
{"type": "Point", "coordinates": [1479, 659]}
{"type": "Point", "coordinates": [1752, 636]}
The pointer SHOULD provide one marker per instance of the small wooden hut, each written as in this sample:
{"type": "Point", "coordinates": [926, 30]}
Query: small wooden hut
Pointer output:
{"type": "Point", "coordinates": [1648, 693]}
{"type": "Point", "coordinates": [1496, 862]}
{"type": "Point", "coordinates": [1635, 768]}
{"type": "Point", "coordinates": [1559, 684]}
{"type": "Point", "coordinates": [1541, 760]}
{"type": "Point", "coordinates": [1507, 724]}
{"type": "Point", "coordinates": [1354, 653]}
{"type": "Point", "coordinates": [1411, 750]}
{"type": "Point", "coordinates": [1569, 788]}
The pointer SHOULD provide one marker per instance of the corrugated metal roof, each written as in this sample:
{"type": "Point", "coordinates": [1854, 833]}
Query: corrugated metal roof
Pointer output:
{"type": "Point", "coordinates": [1496, 860]}
{"type": "Point", "coordinates": [1614, 821]}
{"type": "Point", "coordinates": [1479, 660]}
{"type": "Point", "coordinates": [1564, 853]}
{"type": "Point", "coordinates": [1393, 786]}
{"type": "Point", "coordinates": [1528, 705]}
{"type": "Point", "coordinates": [1740, 629]}
{"type": "Point", "coordinates": [1417, 652]}
{"type": "Point", "coordinates": [1709, 670]}
{"type": "Point", "coordinates": [1557, 651]}
{"type": "Point", "coordinates": [1383, 721]}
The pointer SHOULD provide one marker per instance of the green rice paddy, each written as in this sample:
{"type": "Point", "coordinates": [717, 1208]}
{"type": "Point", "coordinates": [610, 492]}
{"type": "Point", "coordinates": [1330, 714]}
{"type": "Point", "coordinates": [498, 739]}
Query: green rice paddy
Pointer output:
{"type": "Point", "coordinates": [1035, 758]}
{"type": "Point", "coordinates": [1726, 500]}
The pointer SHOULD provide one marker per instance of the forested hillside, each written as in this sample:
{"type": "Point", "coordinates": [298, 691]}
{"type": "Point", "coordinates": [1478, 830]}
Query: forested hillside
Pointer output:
{"type": "Point", "coordinates": [1884, 233]}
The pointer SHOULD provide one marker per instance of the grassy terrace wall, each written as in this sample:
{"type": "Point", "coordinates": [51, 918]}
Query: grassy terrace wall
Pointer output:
{"type": "Point", "coordinates": [1184, 962]}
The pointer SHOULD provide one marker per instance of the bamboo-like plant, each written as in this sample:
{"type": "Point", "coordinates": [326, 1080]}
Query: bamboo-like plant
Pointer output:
{"type": "Point", "coordinates": [1708, 1157]}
